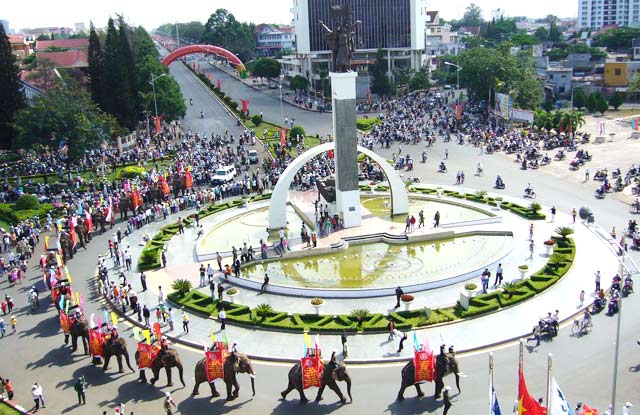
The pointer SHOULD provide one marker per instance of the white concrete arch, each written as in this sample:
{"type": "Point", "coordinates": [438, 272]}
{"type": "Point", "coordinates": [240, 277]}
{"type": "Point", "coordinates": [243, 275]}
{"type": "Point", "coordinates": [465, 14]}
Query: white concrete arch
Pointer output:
{"type": "Point", "coordinates": [277, 209]}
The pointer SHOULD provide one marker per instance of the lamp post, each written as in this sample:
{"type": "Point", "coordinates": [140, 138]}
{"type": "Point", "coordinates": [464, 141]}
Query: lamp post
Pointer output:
{"type": "Point", "coordinates": [153, 85]}
{"type": "Point", "coordinates": [577, 86]}
{"type": "Point", "coordinates": [280, 86]}
{"type": "Point", "coordinates": [458, 69]}
{"type": "Point", "coordinates": [621, 269]}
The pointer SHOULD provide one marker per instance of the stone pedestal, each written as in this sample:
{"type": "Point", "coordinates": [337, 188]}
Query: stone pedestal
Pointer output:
{"type": "Point", "coordinates": [343, 95]}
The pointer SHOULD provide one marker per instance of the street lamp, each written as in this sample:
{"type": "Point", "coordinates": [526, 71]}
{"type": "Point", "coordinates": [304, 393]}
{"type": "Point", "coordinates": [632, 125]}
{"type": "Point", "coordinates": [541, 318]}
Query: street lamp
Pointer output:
{"type": "Point", "coordinates": [574, 87]}
{"type": "Point", "coordinates": [153, 85]}
{"type": "Point", "coordinates": [458, 69]}
{"type": "Point", "coordinates": [281, 79]}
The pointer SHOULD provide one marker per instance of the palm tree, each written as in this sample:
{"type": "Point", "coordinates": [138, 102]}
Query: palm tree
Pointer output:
{"type": "Point", "coordinates": [572, 120]}
{"type": "Point", "coordinates": [564, 232]}
{"type": "Point", "coordinates": [542, 119]}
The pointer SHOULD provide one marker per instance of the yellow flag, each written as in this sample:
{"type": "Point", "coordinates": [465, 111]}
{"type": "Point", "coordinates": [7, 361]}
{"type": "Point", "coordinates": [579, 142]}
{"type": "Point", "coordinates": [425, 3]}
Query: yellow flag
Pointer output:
{"type": "Point", "coordinates": [212, 337]}
{"type": "Point", "coordinates": [46, 243]}
{"type": "Point", "coordinates": [114, 318]}
{"type": "Point", "coordinates": [66, 273]}
{"type": "Point", "coordinates": [78, 298]}
{"type": "Point", "coordinates": [136, 334]}
{"type": "Point", "coordinates": [147, 335]}
{"type": "Point", "coordinates": [307, 340]}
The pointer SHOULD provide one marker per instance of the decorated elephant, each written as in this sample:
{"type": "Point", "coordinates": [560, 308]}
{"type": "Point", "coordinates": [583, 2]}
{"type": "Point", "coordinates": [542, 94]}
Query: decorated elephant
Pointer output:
{"type": "Point", "coordinates": [446, 364]}
{"type": "Point", "coordinates": [67, 246]}
{"type": "Point", "coordinates": [82, 229]}
{"type": "Point", "coordinates": [118, 348]}
{"type": "Point", "coordinates": [166, 358]}
{"type": "Point", "coordinates": [78, 329]}
{"type": "Point", "coordinates": [329, 378]}
{"type": "Point", "coordinates": [99, 220]}
{"type": "Point", "coordinates": [234, 364]}
{"type": "Point", "coordinates": [125, 204]}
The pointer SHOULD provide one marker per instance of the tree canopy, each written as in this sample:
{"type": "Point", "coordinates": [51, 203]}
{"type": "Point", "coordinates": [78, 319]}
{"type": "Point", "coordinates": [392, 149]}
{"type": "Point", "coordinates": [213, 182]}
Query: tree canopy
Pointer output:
{"type": "Point", "coordinates": [472, 16]}
{"type": "Point", "coordinates": [380, 81]}
{"type": "Point", "coordinates": [191, 31]}
{"type": "Point", "coordinates": [11, 98]}
{"type": "Point", "coordinates": [65, 113]}
{"type": "Point", "coordinates": [266, 68]}
{"type": "Point", "coordinates": [615, 39]}
{"type": "Point", "coordinates": [222, 29]}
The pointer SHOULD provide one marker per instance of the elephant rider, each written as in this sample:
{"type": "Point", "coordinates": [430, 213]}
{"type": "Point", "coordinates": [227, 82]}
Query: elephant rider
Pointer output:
{"type": "Point", "coordinates": [234, 347]}
{"type": "Point", "coordinates": [333, 364]}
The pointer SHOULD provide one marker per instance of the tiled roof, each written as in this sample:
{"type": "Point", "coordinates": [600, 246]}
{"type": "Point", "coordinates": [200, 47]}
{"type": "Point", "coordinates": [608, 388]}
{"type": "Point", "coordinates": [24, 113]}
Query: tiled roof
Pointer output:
{"type": "Point", "coordinates": [68, 59]}
{"type": "Point", "coordinates": [63, 43]}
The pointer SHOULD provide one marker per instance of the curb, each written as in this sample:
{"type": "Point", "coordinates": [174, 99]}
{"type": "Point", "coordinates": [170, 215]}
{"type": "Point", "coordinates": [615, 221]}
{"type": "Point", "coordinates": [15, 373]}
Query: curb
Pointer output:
{"type": "Point", "coordinates": [13, 406]}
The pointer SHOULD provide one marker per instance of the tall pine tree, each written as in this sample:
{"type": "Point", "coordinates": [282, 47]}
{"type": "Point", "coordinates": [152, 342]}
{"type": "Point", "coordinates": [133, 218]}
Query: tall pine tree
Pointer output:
{"type": "Point", "coordinates": [117, 87]}
{"type": "Point", "coordinates": [96, 68]}
{"type": "Point", "coordinates": [11, 98]}
{"type": "Point", "coordinates": [130, 101]}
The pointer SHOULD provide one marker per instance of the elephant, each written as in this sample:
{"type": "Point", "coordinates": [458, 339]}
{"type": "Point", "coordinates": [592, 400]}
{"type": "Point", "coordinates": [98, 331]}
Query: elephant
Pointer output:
{"type": "Point", "coordinates": [446, 364]}
{"type": "Point", "coordinates": [117, 348]}
{"type": "Point", "coordinates": [125, 204]}
{"type": "Point", "coordinates": [82, 229]}
{"type": "Point", "coordinates": [328, 379]}
{"type": "Point", "coordinates": [235, 363]}
{"type": "Point", "coordinates": [166, 358]}
{"type": "Point", "coordinates": [66, 245]}
{"type": "Point", "coordinates": [99, 221]}
{"type": "Point", "coordinates": [78, 329]}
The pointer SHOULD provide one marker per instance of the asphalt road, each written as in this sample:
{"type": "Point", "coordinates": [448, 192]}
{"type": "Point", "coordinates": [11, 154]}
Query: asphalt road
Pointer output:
{"type": "Point", "coordinates": [583, 367]}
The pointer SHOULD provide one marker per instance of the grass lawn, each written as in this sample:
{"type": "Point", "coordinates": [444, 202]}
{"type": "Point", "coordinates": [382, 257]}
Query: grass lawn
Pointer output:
{"type": "Point", "coordinates": [7, 410]}
{"type": "Point", "coordinates": [6, 226]}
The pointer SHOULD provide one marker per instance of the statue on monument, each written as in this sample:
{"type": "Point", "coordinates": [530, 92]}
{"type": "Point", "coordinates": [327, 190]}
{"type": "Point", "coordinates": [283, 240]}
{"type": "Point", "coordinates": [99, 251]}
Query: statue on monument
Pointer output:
{"type": "Point", "coordinates": [341, 38]}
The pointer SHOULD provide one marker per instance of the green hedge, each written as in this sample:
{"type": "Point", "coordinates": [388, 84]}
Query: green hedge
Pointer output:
{"type": "Point", "coordinates": [10, 214]}
{"type": "Point", "coordinates": [365, 124]}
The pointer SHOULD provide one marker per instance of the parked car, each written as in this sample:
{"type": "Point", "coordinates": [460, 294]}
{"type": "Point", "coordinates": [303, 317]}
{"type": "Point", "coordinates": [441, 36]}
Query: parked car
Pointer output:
{"type": "Point", "coordinates": [253, 156]}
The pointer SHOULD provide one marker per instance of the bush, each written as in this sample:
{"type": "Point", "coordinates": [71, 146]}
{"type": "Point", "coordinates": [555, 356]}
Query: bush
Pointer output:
{"type": "Point", "coordinates": [256, 120]}
{"type": "Point", "coordinates": [130, 172]}
{"type": "Point", "coordinates": [297, 131]}
{"type": "Point", "coordinates": [233, 105]}
{"type": "Point", "coordinates": [232, 291]}
{"type": "Point", "coordinates": [317, 301]}
{"type": "Point", "coordinates": [27, 202]}
{"type": "Point", "coordinates": [359, 314]}
{"type": "Point", "coordinates": [470, 287]}
{"type": "Point", "coordinates": [263, 310]}
{"type": "Point", "coordinates": [182, 286]}
{"type": "Point", "coordinates": [365, 124]}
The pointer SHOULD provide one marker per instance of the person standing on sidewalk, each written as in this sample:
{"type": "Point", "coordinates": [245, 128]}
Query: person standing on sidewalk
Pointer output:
{"type": "Point", "coordinates": [598, 281]}
{"type": "Point", "coordinates": [143, 281]}
{"type": "Point", "coordinates": [219, 261]}
{"type": "Point", "coordinates": [222, 316]}
{"type": "Point", "coordinates": [212, 288]}
{"type": "Point", "coordinates": [80, 388]}
{"type": "Point", "coordinates": [146, 314]}
{"type": "Point", "coordinates": [160, 295]}
{"type": "Point", "coordinates": [402, 336]}
{"type": "Point", "coordinates": [399, 293]}
{"type": "Point", "coordinates": [185, 322]}
{"type": "Point", "coordinates": [220, 291]}
{"type": "Point", "coordinates": [203, 272]}
{"type": "Point", "coordinates": [170, 318]}
{"type": "Point", "coordinates": [263, 288]}
{"type": "Point", "coordinates": [498, 280]}
{"type": "Point", "coordinates": [553, 214]}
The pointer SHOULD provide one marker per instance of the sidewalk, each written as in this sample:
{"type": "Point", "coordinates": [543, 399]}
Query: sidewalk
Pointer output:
{"type": "Point", "coordinates": [465, 335]}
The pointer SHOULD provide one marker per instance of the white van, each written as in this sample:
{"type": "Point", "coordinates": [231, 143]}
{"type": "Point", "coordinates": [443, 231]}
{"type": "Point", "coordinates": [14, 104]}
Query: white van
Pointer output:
{"type": "Point", "coordinates": [224, 174]}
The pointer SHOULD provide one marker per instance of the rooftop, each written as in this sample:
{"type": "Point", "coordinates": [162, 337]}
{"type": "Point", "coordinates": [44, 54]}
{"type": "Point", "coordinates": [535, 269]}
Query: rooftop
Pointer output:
{"type": "Point", "coordinates": [63, 43]}
{"type": "Point", "coordinates": [67, 59]}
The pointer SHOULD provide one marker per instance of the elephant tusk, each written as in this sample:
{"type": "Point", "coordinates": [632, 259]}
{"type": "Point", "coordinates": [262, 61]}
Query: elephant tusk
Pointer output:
{"type": "Point", "coordinates": [252, 376]}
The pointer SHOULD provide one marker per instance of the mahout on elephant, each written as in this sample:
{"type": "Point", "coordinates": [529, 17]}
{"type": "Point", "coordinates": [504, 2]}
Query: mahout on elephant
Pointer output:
{"type": "Point", "coordinates": [445, 364]}
{"type": "Point", "coordinates": [232, 364]}
{"type": "Point", "coordinates": [162, 357]}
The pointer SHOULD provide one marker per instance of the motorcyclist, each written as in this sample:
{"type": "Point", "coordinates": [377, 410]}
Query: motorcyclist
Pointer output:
{"type": "Point", "coordinates": [524, 164]}
{"type": "Point", "coordinates": [628, 283]}
{"type": "Point", "coordinates": [442, 167]}
{"type": "Point", "coordinates": [424, 156]}
{"type": "Point", "coordinates": [499, 181]}
{"type": "Point", "coordinates": [586, 320]}
{"type": "Point", "coordinates": [201, 114]}
{"type": "Point", "coordinates": [479, 169]}
{"type": "Point", "coordinates": [190, 101]}
{"type": "Point", "coordinates": [615, 283]}
{"type": "Point", "coordinates": [528, 190]}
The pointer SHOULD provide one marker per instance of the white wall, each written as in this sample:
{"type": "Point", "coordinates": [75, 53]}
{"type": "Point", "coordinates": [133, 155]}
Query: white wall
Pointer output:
{"type": "Point", "coordinates": [301, 24]}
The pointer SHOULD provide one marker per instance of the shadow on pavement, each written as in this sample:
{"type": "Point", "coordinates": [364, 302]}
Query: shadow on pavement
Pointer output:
{"type": "Point", "coordinates": [59, 357]}
{"type": "Point", "coordinates": [293, 406]}
{"type": "Point", "coordinates": [412, 406]}
{"type": "Point", "coordinates": [44, 328]}
{"type": "Point", "coordinates": [131, 393]}
{"type": "Point", "coordinates": [215, 406]}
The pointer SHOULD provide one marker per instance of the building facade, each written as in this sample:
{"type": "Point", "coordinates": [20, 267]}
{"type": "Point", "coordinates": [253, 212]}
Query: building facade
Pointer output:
{"type": "Point", "coordinates": [596, 14]}
{"type": "Point", "coordinates": [398, 27]}
{"type": "Point", "coordinates": [271, 40]}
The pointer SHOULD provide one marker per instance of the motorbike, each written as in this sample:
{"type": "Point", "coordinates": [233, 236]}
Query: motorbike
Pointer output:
{"type": "Point", "coordinates": [627, 288]}
{"type": "Point", "coordinates": [424, 156]}
{"type": "Point", "coordinates": [600, 175]}
{"type": "Point", "coordinates": [575, 164]}
{"type": "Point", "coordinates": [545, 160]}
{"type": "Point", "coordinates": [499, 184]}
{"type": "Point", "coordinates": [600, 193]}
{"type": "Point", "coordinates": [479, 171]}
{"type": "Point", "coordinates": [598, 305]}
{"type": "Point", "coordinates": [201, 114]}
{"type": "Point", "coordinates": [560, 155]}
{"type": "Point", "coordinates": [548, 328]}
{"type": "Point", "coordinates": [529, 193]}
{"type": "Point", "coordinates": [613, 307]}
{"type": "Point", "coordinates": [533, 164]}
{"type": "Point", "coordinates": [442, 168]}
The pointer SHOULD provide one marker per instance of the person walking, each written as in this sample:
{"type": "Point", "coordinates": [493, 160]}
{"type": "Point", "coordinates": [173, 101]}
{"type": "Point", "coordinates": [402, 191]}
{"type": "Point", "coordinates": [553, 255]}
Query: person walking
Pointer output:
{"type": "Point", "coordinates": [263, 288]}
{"type": "Point", "coordinates": [498, 279]}
{"type": "Point", "coordinates": [345, 349]}
{"type": "Point", "coordinates": [581, 298]}
{"type": "Point", "coordinates": [170, 318]}
{"type": "Point", "coordinates": [164, 260]}
{"type": "Point", "coordinates": [160, 295]}
{"type": "Point", "coordinates": [219, 261]}
{"type": "Point", "coordinates": [531, 232]}
{"type": "Point", "coordinates": [146, 314]}
{"type": "Point", "coordinates": [399, 293]}
{"type": "Point", "coordinates": [35, 395]}
{"type": "Point", "coordinates": [168, 403]}
{"type": "Point", "coordinates": [402, 336]}
{"type": "Point", "coordinates": [8, 386]}
{"type": "Point", "coordinates": [436, 219]}
{"type": "Point", "coordinates": [222, 316]}
{"type": "Point", "coordinates": [598, 281]}
{"type": "Point", "coordinates": [531, 246]}
{"type": "Point", "coordinates": [203, 272]}
{"type": "Point", "coordinates": [212, 289]}
{"type": "Point", "coordinates": [185, 322]}
{"type": "Point", "coordinates": [573, 214]}
{"type": "Point", "coordinates": [553, 214]}
{"type": "Point", "coordinates": [391, 326]}
{"type": "Point", "coordinates": [143, 281]}
{"type": "Point", "coordinates": [80, 387]}
{"type": "Point", "coordinates": [220, 291]}
{"type": "Point", "coordinates": [447, 400]}
{"type": "Point", "coordinates": [210, 272]}
{"type": "Point", "coordinates": [14, 324]}
{"type": "Point", "coordinates": [420, 219]}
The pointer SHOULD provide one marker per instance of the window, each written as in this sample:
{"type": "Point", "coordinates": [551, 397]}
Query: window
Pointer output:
{"type": "Point", "coordinates": [617, 71]}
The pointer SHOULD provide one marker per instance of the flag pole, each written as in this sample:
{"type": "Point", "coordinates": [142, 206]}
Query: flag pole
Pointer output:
{"type": "Point", "coordinates": [549, 369]}
{"type": "Point", "coordinates": [521, 355]}
{"type": "Point", "coordinates": [490, 383]}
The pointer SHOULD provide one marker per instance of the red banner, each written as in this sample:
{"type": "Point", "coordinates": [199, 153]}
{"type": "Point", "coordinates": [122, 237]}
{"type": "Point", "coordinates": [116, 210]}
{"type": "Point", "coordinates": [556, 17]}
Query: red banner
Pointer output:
{"type": "Point", "coordinates": [165, 186]}
{"type": "Point", "coordinates": [144, 355]}
{"type": "Point", "coordinates": [245, 105]}
{"type": "Point", "coordinates": [95, 342]}
{"type": "Point", "coordinates": [283, 136]}
{"type": "Point", "coordinates": [188, 180]}
{"type": "Point", "coordinates": [65, 323]}
{"type": "Point", "coordinates": [136, 199]}
{"type": "Point", "coordinates": [218, 84]}
{"type": "Point", "coordinates": [72, 234]}
{"type": "Point", "coordinates": [157, 331]}
{"type": "Point", "coordinates": [214, 362]}
{"type": "Point", "coordinates": [312, 368]}
{"type": "Point", "coordinates": [458, 112]}
{"type": "Point", "coordinates": [424, 365]}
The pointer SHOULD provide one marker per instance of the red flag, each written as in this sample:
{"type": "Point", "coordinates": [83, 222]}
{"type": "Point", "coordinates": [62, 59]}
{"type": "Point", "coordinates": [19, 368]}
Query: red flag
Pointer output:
{"type": "Point", "coordinates": [218, 84]}
{"type": "Point", "coordinates": [72, 234]}
{"type": "Point", "coordinates": [330, 154]}
{"type": "Point", "coordinates": [245, 105]}
{"type": "Point", "coordinates": [283, 137]}
{"type": "Point", "coordinates": [458, 112]}
{"type": "Point", "coordinates": [587, 410]}
{"type": "Point", "coordinates": [424, 365]}
{"type": "Point", "coordinates": [88, 221]}
{"type": "Point", "coordinates": [188, 180]}
{"type": "Point", "coordinates": [157, 331]}
{"type": "Point", "coordinates": [527, 405]}
{"type": "Point", "coordinates": [165, 186]}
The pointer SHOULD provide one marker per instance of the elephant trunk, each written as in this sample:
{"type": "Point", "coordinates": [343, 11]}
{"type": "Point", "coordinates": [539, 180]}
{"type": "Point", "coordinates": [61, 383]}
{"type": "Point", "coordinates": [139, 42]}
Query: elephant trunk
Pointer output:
{"type": "Point", "coordinates": [126, 359]}
{"type": "Point", "coordinates": [180, 368]}
{"type": "Point", "coordinates": [252, 375]}
{"type": "Point", "coordinates": [347, 379]}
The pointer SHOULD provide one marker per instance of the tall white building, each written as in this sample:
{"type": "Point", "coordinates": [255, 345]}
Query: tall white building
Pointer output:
{"type": "Point", "coordinates": [595, 14]}
{"type": "Point", "coordinates": [398, 27]}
